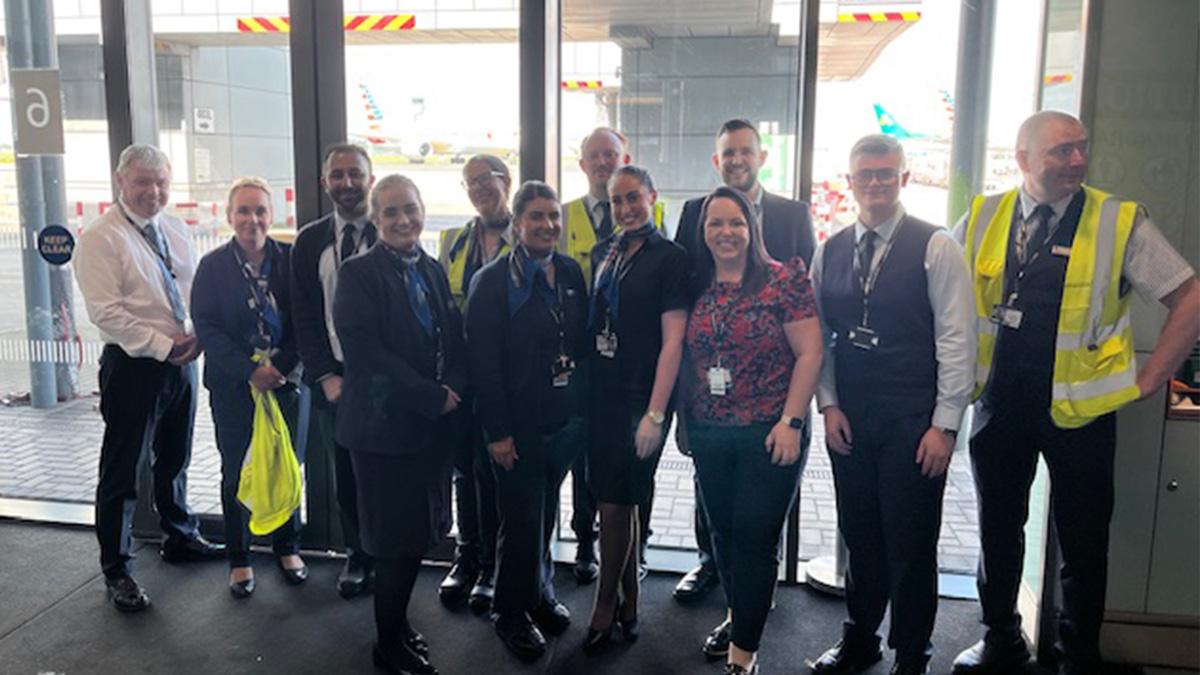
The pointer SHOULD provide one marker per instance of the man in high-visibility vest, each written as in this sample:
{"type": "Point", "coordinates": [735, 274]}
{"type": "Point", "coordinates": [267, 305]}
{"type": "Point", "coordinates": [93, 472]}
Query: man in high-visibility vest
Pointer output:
{"type": "Point", "coordinates": [1053, 262]}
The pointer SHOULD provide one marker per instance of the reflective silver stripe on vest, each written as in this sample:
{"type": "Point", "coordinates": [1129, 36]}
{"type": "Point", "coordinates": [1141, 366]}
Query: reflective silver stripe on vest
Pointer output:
{"type": "Point", "coordinates": [1106, 245]}
{"type": "Point", "coordinates": [1080, 391]}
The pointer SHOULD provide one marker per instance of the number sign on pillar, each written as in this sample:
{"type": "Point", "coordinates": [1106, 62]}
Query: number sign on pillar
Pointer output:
{"type": "Point", "coordinates": [37, 107]}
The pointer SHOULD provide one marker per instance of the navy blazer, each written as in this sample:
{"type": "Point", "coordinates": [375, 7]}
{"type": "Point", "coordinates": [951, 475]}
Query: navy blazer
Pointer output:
{"type": "Point", "coordinates": [786, 226]}
{"type": "Point", "coordinates": [309, 300]}
{"type": "Point", "coordinates": [225, 323]}
{"type": "Point", "coordinates": [391, 400]}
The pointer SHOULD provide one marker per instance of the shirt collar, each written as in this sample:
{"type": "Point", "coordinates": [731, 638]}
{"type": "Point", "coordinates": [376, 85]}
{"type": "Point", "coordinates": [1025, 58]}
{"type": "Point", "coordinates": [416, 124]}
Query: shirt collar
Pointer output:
{"type": "Point", "coordinates": [885, 230]}
{"type": "Point", "coordinates": [139, 221]}
{"type": "Point", "coordinates": [341, 222]}
{"type": "Point", "coordinates": [592, 203]}
{"type": "Point", "coordinates": [1029, 204]}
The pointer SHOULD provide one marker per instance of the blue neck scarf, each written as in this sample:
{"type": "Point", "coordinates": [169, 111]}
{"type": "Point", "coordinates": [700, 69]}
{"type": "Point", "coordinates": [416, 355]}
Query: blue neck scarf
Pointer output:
{"type": "Point", "coordinates": [613, 267]}
{"type": "Point", "coordinates": [415, 285]}
{"type": "Point", "coordinates": [527, 274]}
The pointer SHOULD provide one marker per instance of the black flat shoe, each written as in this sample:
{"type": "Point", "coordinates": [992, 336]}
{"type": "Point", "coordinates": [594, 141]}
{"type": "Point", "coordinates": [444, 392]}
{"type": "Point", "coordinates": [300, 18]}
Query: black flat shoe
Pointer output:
{"type": "Point", "coordinates": [404, 662]}
{"type": "Point", "coordinates": [293, 577]}
{"type": "Point", "coordinates": [416, 642]}
{"type": "Point", "coordinates": [552, 617]}
{"type": "Point", "coordinates": [521, 637]}
{"type": "Point", "coordinates": [126, 594]}
{"type": "Point", "coordinates": [242, 589]}
{"type": "Point", "coordinates": [716, 645]}
{"type": "Point", "coordinates": [196, 549]}
{"type": "Point", "coordinates": [846, 658]}
{"type": "Point", "coordinates": [457, 583]}
{"type": "Point", "coordinates": [484, 591]}
{"type": "Point", "coordinates": [735, 669]}
{"type": "Point", "coordinates": [352, 580]}
{"type": "Point", "coordinates": [598, 640]}
{"type": "Point", "coordinates": [992, 657]}
{"type": "Point", "coordinates": [696, 584]}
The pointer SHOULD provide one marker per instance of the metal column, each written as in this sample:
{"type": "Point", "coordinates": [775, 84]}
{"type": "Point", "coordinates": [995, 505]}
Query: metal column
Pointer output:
{"type": "Point", "coordinates": [972, 96]}
{"type": "Point", "coordinates": [540, 40]}
{"type": "Point", "coordinates": [39, 324]}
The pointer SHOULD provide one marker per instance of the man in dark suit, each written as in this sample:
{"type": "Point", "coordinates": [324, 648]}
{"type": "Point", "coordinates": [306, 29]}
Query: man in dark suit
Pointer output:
{"type": "Point", "coordinates": [787, 233]}
{"type": "Point", "coordinates": [320, 249]}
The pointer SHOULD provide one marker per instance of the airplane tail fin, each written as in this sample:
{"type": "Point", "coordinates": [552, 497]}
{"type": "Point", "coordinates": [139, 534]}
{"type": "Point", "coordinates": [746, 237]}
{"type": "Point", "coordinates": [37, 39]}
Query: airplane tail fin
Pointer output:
{"type": "Point", "coordinates": [889, 126]}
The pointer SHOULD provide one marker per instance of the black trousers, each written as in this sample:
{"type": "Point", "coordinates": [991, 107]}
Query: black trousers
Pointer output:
{"type": "Point", "coordinates": [1004, 459]}
{"type": "Point", "coordinates": [583, 506]}
{"type": "Point", "coordinates": [890, 517]}
{"type": "Point", "coordinates": [528, 500]}
{"type": "Point", "coordinates": [147, 405]}
{"type": "Point", "coordinates": [747, 500]}
{"type": "Point", "coordinates": [474, 499]}
{"type": "Point", "coordinates": [233, 419]}
{"type": "Point", "coordinates": [343, 474]}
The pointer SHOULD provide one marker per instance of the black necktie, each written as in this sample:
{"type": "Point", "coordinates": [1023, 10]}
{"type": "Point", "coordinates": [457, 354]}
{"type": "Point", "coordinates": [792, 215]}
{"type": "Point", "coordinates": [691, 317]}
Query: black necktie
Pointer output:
{"type": "Point", "coordinates": [1037, 234]}
{"type": "Point", "coordinates": [606, 225]}
{"type": "Point", "coordinates": [866, 251]}
{"type": "Point", "coordinates": [349, 246]}
{"type": "Point", "coordinates": [370, 234]}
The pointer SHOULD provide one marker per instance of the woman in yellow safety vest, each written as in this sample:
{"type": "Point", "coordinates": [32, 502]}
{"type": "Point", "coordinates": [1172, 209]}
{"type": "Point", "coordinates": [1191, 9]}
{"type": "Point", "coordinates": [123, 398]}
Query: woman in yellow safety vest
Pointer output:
{"type": "Point", "coordinates": [463, 250]}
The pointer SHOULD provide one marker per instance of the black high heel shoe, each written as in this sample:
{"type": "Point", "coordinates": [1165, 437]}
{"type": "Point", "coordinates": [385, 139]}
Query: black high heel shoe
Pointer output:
{"type": "Point", "coordinates": [629, 627]}
{"type": "Point", "coordinates": [598, 640]}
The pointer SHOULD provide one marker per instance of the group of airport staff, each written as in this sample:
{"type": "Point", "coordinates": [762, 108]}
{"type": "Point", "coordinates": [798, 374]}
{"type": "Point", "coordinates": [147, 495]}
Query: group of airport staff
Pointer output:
{"type": "Point", "coordinates": [553, 337]}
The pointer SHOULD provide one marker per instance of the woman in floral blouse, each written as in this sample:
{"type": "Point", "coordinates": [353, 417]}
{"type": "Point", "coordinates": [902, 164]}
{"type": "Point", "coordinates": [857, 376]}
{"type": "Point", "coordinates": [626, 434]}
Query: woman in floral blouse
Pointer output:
{"type": "Point", "coordinates": [754, 353]}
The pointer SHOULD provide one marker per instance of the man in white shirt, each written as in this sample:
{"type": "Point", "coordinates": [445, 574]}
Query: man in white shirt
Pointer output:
{"type": "Point", "coordinates": [135, 266]}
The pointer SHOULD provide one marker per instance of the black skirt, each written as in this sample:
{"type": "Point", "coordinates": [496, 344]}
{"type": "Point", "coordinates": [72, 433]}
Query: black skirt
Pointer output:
{"type": "Point", "coordinates": [402, 501]}
{"type": "Point", "coordinates": [615, 474]}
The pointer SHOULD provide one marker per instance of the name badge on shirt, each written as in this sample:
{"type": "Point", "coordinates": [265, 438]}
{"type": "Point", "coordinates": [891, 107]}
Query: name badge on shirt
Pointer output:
{"type": "Point", "coordinates": [1060, 251]}
{"type": "Point", "coordinates": [561, 371]}
{"type": "Point", "coordinates": [720, 380]}
{"type": "Point", "coordinates": [606, 344]}
{"type": "Point", "coordinates": [1007, 316]}
{"type": "Point", "coordinates": [863, 338]}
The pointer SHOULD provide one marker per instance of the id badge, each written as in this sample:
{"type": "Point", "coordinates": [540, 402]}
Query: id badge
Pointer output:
{"type": "Point", "coordinates": [863, 338]}
{"type": "Point", "coordinates": [606, 344]}
{"type": "Point", "coordinates": [719, 380]}
{"type": "Point", "coordinates": [561, 371]}
{"type": "Point", "coordinates": [1009, 317]}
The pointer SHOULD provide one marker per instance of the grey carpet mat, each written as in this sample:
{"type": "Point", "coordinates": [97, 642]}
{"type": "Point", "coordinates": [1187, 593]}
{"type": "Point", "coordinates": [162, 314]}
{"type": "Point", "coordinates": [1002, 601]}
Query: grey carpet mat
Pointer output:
{"type": "Point", "coordinates": [54, 619]}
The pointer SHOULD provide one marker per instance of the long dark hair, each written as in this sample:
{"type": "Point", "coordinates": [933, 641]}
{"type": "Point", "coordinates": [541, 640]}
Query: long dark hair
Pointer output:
{"type": "Point", "coordinates": [758, 261]}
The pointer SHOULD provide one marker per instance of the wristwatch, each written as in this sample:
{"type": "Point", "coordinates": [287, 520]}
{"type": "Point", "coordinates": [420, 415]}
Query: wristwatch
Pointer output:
{"type": "Point", "coordinates": [793, 422]}
{"type": "Point", "coordinates": [656, 416]}
{"type": "Point", "coordinates": [952, 433]}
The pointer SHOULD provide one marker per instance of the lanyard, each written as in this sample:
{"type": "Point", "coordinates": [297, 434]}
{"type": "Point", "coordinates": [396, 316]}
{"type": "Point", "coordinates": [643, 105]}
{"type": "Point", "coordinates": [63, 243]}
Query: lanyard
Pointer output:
{"type": "Point", "coordinates": [718, 323]}
{"type": "Point", "coordinates": [260, 294]}
{"type": "Point", "coordinates": [1024, 265]}
{"type": "Point", "coordinates": [559, 315]}
{"type": "Point", "coordinates": [164, 253]}
{"type": "Point", "coordinates": [868, 284]}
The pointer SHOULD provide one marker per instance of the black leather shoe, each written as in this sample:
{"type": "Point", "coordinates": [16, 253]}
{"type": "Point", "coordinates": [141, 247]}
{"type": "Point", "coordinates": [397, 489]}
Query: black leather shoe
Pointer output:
{"type": "Point", "coordinates": [586, 568]}
{"type": "Point", "coordinates": [241, 589]}
{"type": "Point", "coordinates": [628, 627]}
{"type": "Point", "coordinates": [416, 642]}
{"type": "Point", "coordinates": [910, 668]}
{"type": "Point", "coordinates": [992, 657]}
{"type": "Point", "coordinates": [716, 645]}
{"type": "Point", "coordinates": [696, 584]}
{"type": "Point", "coordinates": [735, 669]}
{"type": "Point", "coordinates": [403, 662]}
{"type": "Point", "coordinates": [552, 617]}
{"type": "Point", "coordinates": [454, 587]}
{"type": "Point", "coordinates": [352, 580]}
{"type": "Point", "coordinates": [126, 594]}
{"type": "Point", "coordinates": [844, 659]}
{"type": "Point", "coordinates": [196, 549]}
{"type": "Point", "coordinates": [484, 591]}
{"type": "Point", "coordinates": [293, 577]}
{"type": "Point", "coordinates": [521, 637]}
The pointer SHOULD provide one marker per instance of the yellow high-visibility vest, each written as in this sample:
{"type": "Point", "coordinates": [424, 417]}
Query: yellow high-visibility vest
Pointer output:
{"type": "Point", "coordinates": [579, 235]}
{"type": "Point", "coordinates": [454, 248]}
{"type": "Point", "coordinates": [1094, 368]}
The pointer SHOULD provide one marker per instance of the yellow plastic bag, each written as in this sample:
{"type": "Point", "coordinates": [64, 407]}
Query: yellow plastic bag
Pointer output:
{"type": "Point", "coordinates": [270, 483]}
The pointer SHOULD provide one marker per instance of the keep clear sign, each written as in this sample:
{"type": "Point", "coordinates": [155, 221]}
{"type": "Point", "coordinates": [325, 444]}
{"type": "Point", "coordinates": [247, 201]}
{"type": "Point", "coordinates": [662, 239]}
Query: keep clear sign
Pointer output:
{"type": "Point", "coordinates": [56, 244]}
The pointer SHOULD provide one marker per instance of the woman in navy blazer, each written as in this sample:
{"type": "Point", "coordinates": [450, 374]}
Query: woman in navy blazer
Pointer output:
{"type": "Point", "coordinates": [405, 365]}
{"type": "Point", "coordinates": [240, 306]}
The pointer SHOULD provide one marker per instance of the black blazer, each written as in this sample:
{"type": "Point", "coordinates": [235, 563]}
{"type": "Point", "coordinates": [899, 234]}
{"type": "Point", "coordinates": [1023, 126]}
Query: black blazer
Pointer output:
{"type": "Point", "coordinates": [391, 400]}
{"type": "Point", "coordinates": [308, 300]}
{"type": "Point", "coordinates": [225, 323]}
{"type": "Point", "coordinates": [504, 353]}
{"type": "Point", "coordinates": [787, 229]}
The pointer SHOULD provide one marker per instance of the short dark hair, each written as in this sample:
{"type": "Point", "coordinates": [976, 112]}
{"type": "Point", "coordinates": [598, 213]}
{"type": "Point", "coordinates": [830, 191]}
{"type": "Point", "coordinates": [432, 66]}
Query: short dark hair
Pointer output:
{"type": "Point", "coordinates": [737, 124]}
{"type": "Point", "coordinates": [529, 191]}
{"type": "Point", "coordinates": [343, 149]}
{"type": "Point", "coordinates": [640, 173]}
{"type": "Point", "coordinates": [758, 261]}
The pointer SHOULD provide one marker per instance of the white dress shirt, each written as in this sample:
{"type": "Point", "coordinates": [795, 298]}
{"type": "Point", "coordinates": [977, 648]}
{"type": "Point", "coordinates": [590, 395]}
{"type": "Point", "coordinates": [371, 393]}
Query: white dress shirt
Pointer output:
{"type": "Point", "coordinates": [327, 269]}
{"type": "Point", "coordinates": [952, 299]}
{"type": "Point", "coordinates": [122, 283]}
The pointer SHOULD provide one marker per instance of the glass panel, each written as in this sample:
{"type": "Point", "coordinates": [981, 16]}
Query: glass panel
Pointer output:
{"type": "Point", "coordinates": [224, 111]}
{"type": "Point", "coordinates": [50, 453]}
{"type": "Point", "coordinates": [667, 76]}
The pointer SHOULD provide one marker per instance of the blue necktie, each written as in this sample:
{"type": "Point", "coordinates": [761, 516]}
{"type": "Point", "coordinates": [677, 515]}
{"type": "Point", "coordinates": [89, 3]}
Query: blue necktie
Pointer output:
{"type": "Point", "coordinates": [150, 232]}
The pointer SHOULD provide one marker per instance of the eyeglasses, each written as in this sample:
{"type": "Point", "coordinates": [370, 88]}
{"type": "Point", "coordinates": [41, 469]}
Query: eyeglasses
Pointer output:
{"type": "Point", "coordinates": [481, 180]}
{"type": "Point", "coordinates": [884, 176]}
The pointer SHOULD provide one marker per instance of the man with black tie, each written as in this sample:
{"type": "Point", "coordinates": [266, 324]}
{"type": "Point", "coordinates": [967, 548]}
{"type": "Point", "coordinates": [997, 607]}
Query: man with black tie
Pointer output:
{"type": "Point", "coordinates": [320, 249]}
{"type": "Point", "coordinates": [787, 233]}
{"type": "Point", "coordinates": [135, 266]}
